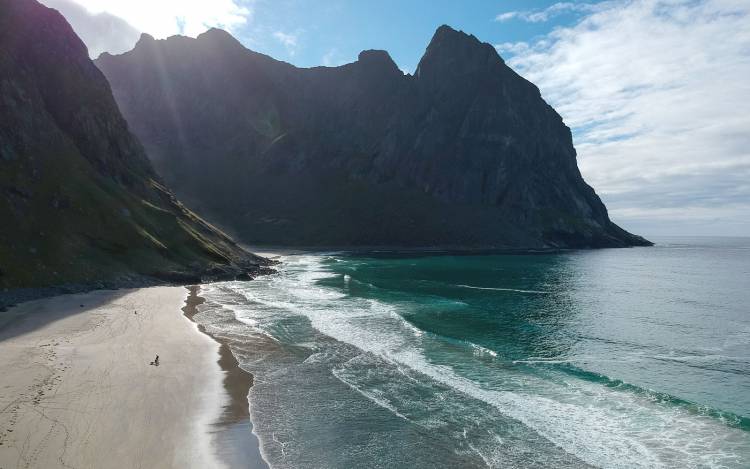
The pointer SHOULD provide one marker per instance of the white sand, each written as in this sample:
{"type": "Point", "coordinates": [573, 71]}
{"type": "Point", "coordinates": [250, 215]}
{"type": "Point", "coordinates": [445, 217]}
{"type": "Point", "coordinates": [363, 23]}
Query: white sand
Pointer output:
{"type": "Point", "coordinates": [77, 390]}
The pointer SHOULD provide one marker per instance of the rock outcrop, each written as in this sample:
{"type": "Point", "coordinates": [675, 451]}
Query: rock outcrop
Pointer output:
{"type": "Point", "coordinates": [79, 200]}
{"type": "Point", "coordinates": [463, 154]}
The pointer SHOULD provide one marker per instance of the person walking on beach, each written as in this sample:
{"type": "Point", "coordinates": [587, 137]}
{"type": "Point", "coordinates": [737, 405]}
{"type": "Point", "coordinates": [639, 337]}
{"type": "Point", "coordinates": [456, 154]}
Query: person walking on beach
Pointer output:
{"type": "Point", "coordinates": [155, 362]}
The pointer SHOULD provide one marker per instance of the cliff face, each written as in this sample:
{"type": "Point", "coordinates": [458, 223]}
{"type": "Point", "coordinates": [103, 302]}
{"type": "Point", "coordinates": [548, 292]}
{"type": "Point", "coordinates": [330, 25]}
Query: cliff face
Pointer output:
{"type": "Point", "coordinates": [464, 153]}
{"type": "Point", "coordinates": [79, 200]}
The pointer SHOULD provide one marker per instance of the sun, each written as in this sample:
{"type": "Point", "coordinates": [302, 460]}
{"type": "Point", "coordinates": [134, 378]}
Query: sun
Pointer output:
{"type": "Point", "coordinates": [165, 18]}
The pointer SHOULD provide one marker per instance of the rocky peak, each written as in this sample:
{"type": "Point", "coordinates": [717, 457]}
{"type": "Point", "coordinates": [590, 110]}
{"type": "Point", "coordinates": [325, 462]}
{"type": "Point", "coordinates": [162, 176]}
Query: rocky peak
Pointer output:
{"type": "Point", "coordinates": [214, 39]}
{"type": "Point", "coordinates": [16, 20]}
{"type": "Point", "coordinates": [218, 36]}
{"type": "Point", "coordinates": [145, 40]}
{"type": "Point", "coordinates": [464, 153]}
{"type": "Point", "coordinates": [446, 33]}
{"type": "Point", "coordinates": [453, 53]}
{"type": "Point", "coordinates": [377, 61]}
{"type": "Point", "coordinates": [75, 184]}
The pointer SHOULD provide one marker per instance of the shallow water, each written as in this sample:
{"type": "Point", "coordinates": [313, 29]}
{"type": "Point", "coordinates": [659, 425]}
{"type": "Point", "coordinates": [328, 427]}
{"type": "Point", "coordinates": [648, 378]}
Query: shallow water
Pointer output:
{"type": "Point", "coordinates": [611, 358]}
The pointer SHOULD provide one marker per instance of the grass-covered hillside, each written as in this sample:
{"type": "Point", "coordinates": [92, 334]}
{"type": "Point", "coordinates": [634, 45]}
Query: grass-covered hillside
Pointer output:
{"type": "Point", "coordinates": [79, 201]}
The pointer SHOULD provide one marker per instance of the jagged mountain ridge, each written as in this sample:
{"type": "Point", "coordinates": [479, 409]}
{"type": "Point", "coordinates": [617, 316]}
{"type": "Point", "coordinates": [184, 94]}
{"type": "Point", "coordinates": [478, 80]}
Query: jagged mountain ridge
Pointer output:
{"type": "Point", "coordinates": [79, 199]}
{"type": "Point", "coordinates": [464, 153]}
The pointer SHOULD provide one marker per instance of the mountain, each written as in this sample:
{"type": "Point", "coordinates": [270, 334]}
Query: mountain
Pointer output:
{"type": "Point", "coordinates": [79, 200]}
{"type": "Point", "coordinates": [464, 153]}
{"type": "Point", "coordinates": [99, 31]}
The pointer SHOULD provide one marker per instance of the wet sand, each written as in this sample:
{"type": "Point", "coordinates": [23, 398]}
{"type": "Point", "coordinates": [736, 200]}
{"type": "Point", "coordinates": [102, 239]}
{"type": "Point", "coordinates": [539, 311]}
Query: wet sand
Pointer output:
{"type": "Point", "coordinates": [237, 444]}
{"type": "Point", "coordinates": [77, 389]}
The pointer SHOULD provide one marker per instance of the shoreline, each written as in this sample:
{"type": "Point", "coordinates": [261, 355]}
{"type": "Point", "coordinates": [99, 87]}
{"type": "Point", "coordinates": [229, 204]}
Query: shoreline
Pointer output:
{"type": "Point", "coordinates": [13, 296]}
{"type": "Point", "coordinates": [234, 421]}
{"type": "Point", "coordinates": [275, 253]}
{"type": "Point", "coordinates": [78, 389]}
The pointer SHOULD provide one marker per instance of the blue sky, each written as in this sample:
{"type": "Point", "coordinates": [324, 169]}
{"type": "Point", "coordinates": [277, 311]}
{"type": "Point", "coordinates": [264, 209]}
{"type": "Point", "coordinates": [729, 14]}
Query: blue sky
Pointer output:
{"type": "Point", "coordinates": [656, 92]}
{"type": "Point", "coordinates": [336, 31]}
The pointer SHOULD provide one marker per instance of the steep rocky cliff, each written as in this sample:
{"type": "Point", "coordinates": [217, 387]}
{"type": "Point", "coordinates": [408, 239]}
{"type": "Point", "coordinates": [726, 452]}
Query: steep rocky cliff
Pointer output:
{"type": "Point", "coordinates": [464, 153]}
{"type": "Point", "coordinates": [79, 200]}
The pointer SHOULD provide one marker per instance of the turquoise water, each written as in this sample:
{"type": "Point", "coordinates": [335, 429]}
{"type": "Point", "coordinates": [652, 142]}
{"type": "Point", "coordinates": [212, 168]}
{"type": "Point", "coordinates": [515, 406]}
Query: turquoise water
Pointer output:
{"type": "Point", "coordinates": [611, 358]}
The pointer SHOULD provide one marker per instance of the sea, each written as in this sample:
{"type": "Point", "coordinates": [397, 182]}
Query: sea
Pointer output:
{"type": "Point", "coordinates": [611, 358]}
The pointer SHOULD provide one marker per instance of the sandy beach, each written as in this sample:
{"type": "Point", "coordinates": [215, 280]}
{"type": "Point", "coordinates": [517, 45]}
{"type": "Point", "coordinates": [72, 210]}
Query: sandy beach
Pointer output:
{"type": "Point", "coordinates": [77, 389]}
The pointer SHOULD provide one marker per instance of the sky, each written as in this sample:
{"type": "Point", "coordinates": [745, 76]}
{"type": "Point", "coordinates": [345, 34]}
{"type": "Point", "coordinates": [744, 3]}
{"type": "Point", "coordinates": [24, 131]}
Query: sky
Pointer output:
{"type": "Point", "coordinates": [656, 92]}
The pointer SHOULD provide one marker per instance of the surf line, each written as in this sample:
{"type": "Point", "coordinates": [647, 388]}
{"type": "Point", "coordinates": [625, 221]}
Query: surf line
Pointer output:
{"type": "Point", "coordinates": [536, 292]}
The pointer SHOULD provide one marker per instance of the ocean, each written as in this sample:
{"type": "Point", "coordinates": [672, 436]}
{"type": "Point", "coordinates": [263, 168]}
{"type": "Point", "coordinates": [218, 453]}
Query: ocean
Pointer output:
{"type": "Point", "coordinates": [614, 358]}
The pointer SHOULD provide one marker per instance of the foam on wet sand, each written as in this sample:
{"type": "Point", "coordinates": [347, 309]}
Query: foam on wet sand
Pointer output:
{"type": "Point", "coordinates": [77, 389]}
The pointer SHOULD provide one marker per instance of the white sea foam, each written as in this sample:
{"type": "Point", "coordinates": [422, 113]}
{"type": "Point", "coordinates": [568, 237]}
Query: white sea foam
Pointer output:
{"type": "Point", "coordinates": [602, 426]}
{"type": "Point", "coordinates": [372, 396]}
{"type": "Point", "coordinates": [482, 351]}
{"type": "Point", "coordinates": [516, 290]}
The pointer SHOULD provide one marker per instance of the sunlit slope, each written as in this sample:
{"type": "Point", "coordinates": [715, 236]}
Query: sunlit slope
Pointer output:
{"type": "Point", "coordinates": [79, 201]}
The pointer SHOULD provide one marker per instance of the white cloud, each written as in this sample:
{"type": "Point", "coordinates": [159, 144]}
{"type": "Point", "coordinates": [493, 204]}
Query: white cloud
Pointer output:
{"type": "Point", "coordinates": [100, 32]}
{"type": "Point", "coordinates": [514, 48]}
{"type": "Point", "coordinates": [507, 16]}
{"type": "Point", "coordinates": [657, 93]}
{"type": "Point", "coordinates": [163, 18]}
{"type": "Point", "coordinates": [289, 41]}
{"type": "Point", "coordinates": [542, 15]}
